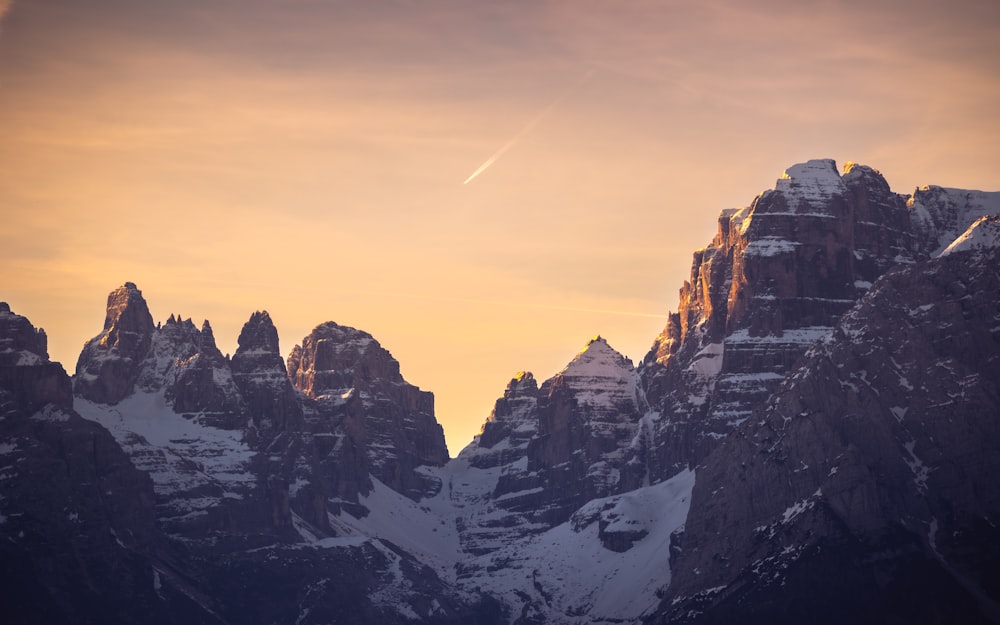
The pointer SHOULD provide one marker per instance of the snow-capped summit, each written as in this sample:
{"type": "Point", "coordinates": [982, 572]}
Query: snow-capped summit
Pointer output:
{"type": "Point", "coordinates": [596, 358]}
{"type": "Point", "coordinates": [813, 182]}
{"type": "Point", "coordinates": [983, 233]}
{"type": "Point", "coordinates": [600, 376]}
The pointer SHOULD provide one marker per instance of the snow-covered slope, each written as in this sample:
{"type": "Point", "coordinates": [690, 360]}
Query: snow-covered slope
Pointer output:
{"type": "Point", "coordinates": [809, 186]}
{"type": "Point", "coordinates": [941, 214]}
{"type": "Point", "coordinates": [982, 234]}
{"type": "Point", "coordinates": [197, 469]}
{"type": "Point", "coordinates": [566, 575]}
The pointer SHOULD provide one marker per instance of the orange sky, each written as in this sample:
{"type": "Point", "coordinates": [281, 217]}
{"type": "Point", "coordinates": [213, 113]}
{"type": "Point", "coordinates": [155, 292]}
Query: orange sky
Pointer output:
{"type": "Point", "coordinates": [307, 157]}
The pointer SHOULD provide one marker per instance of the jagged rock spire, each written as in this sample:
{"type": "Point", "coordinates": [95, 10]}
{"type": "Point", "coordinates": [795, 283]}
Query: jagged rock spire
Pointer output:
{"type": "Point", "coordinates": [259, 372]}
{"type": "Point", "coordinates": [108, 367]}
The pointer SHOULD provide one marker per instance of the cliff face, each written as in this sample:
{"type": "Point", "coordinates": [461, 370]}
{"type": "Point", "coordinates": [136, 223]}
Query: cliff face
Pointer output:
{"type": "Point", "coordinates": [546, 451]}
{"type": "Point", "coordinates": [775, 279]}
{"type": "Point", "coordinates": [875, 457]}
{"type": "Point", "coordinates": [77, 524]}
{"type": "Point", "coordinates": [109, 364]}
{"type": "Point", "coordinates": [270, 402]}
{"type": "Point", "coordinates": [388, 425]}
{"type": "Point", "coordinates": [25, 370]}
{"type": "Point", "coordinates": [248, 471]}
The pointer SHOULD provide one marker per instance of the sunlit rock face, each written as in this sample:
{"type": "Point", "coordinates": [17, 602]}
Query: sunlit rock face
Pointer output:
{"type": "Point", "coordinates": [866, 483]}
{"type": "Point", "coordinates": [388, 424]}
{"type": "Point", "coordinates": [109, 364]}
{"type": "Point", "coordinates": [775, 279]}
{"type": "Point", "coordinates": [131, 354]}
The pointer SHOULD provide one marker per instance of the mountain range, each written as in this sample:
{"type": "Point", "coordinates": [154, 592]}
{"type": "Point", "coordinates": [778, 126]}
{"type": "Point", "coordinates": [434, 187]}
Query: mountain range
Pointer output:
{"type": "Point", "coordinates": [814, 437]}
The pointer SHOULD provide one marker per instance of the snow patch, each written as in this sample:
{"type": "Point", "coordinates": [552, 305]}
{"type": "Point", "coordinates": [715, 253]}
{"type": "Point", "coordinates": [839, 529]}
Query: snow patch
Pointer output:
{"type": "Point", "coordinates": [812, 182]}
{"type": "Point", "coordinates": [182, 456]}
{"type": "Point", "coordinates": [920, 470]}
{"type": "Point", "coordinates": [770, 246]}
{"type": "Point", "coordinates": [426, 529]}
{"type": "Point", "coordinates": [707, 363]}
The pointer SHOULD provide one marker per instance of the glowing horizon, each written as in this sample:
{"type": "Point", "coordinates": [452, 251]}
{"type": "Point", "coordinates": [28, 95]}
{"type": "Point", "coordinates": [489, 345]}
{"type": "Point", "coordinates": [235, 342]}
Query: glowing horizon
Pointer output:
{"type": "Point", "coordinates": [304, 158]}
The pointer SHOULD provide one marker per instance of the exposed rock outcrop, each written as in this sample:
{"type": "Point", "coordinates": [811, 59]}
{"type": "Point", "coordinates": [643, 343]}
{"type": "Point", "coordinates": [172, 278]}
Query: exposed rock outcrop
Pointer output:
{"type": "Point", "coordinates": [877, 457]}
{"type": "Point", "coordinates": [193, 373]}
{"type": "Point", "coordinates": [546, 451]}
{"type": "Point", "coordinates": [109, 364]}
{"type": "Point", "coordinates": [775, 279]}
{"type": "Point", "coordinates": [386, 425]}
{"type": "Point", "coordinates": [77, 526]}
{"type": "Point", "coordinates": [25, 369]}
{"type": "Point", "coordinates": [270, 402]}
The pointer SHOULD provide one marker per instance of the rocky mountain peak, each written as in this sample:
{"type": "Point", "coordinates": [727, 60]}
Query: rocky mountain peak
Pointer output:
{"type": "Point", "coordinates": [187, 364]}
{"type": "Point", "coordinates": [775, 278]}
{"type": "Point", "coordinates": [25, 369]}
{"type": "Point", "coordinates": [598, 359]}
{"type": "Point", "coordinates": [259, 334]}
{"type": "Point", "coordinates": [127, 318]}
{"type": "Point", "coordinates": [108, 366]}
{"type": "Point", "coordinates": [259, 372]}
{"type": "Point", "coordinates": [20, 342]}
{"type": "Point", "coordinates": [333, 359]}
{"type": "Point", "coordinates": [513, 418]}
{"type": "Point", "coordinates": [523, 383]}
{"type": "Point", "coordinates": [853, 465]}
{"type": "Point", "coordinates": [807, 186]}
{"type": "Point", "coordinates": [388, 422]}
{"type": "Point", "coordinates": [599, 377]}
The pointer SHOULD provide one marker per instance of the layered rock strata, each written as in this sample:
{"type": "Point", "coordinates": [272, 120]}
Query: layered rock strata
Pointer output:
{"type": "Point", "coordinates": [876, 458]}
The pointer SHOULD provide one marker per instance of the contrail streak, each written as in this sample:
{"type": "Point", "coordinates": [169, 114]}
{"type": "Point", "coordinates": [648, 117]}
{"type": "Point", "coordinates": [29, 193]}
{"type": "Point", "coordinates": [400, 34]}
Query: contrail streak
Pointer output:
{"type": "Point", "coordinates": [534, 122]}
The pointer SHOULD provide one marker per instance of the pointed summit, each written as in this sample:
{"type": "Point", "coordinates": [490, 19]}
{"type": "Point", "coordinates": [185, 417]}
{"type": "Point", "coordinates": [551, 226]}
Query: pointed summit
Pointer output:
{"type": "Point", "coordinates": [259, 372]}
{"type": "Point", "coordinates": [598, 360]}
{"type": "Point", "coordinates": [513, 417]}
{"type": "Point", "coordinates": [109, 364]}
{"type": "Point", "coordinates": [259, 335]}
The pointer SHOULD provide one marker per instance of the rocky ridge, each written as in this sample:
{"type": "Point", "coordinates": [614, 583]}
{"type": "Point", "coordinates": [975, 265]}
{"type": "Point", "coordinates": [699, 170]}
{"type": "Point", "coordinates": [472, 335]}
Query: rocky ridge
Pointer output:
{"type": "Point", "coordinates": [247, 469]}
{"type": "Point", "coordinates": [774, 280]}
{"type": "Point", "coordinates": [816, 416]}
